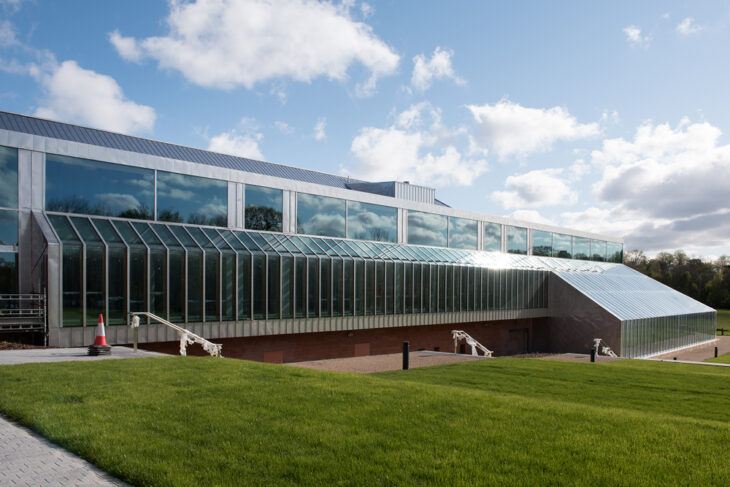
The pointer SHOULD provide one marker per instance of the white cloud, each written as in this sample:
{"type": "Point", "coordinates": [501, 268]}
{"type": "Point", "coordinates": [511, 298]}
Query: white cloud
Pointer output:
{"type": "Point", "coordinates": [225, 44]}
{"type": "Point", "coordinates": [425, 72]}
{"type": "Point", "coordinates": [125, 46]}
{"type": "Point", "coordinates": [531, 216]}
{"type": "Point", "coordinates": [118, 201]}
{"type": "Point", "coordinates": [512, 129]}
{"type": "Point", "coordinates": [319, 129]}
{"type": "Point", "coordinates": [667, 186]}
{"type": "Point", "coordinates": [633, 35]}
{"type": "Point", "coordinates": [688, 27]}
{"type": "Point", "coordinates": [283, 127]}
{"type": "Point", "coordinates": [7, 34]}
{"type": "Point", "coordinates": [410, 150]}
{"type": "Point", "coordinates": [534, 189]}
{"type": "Point", "coordinates": [235, 144]}
{"type": "Point", "coordinates": [74, 94]}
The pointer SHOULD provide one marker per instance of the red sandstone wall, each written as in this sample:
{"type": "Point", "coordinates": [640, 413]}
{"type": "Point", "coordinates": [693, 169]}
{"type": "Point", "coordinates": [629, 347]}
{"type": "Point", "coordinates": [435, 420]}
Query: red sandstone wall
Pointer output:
{"type": "Point", "coordinates": [317, 346]}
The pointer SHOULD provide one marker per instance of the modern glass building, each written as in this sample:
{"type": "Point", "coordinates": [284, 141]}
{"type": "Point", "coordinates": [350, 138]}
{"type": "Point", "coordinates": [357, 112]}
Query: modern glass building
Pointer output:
{"type": "Point", "coordinates": [280, 263]}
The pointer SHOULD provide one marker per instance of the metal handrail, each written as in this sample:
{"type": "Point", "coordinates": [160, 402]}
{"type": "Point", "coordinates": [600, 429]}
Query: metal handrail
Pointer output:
{"type": "Point", "coordinates": [23, 305]}
{"type": "Point", "coordinates": [187, 337]}
{"type": "Point", "coordinates": [462, 335]}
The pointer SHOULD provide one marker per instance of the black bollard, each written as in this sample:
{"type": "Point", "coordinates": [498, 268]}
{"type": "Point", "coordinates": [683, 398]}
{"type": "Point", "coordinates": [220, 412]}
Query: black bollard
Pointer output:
{"type": "Point", "coordinates": [715, 352]}
{"type": "Point", "coordinates": [675, 358]}
{"type": "Point", "coordinates": [593, 354]}
{"type": "Point", "coordinates": [405, 355]}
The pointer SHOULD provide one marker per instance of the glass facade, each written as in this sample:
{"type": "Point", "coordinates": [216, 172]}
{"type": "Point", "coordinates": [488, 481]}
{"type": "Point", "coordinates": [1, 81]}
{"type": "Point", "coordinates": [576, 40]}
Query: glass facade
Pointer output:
{"type": "Point", "coordinates": [542, 243]}
{"type": "Point", "coordinates": [614, 252]}
{"type": "Point", "coordinates": [650, 336]}
{"type": "Point", "coordinates": [98, 188]}
{"type": "Point", "coordinates": [8, 273]}
{"type": "Point", "coordinates": [8, 227]}
{"type": "Point", "coordinates": [321, 215]}
{"type": "Point", "coordinates": [598, 250]}
{"type": "Point", "coordinates": [462, 233]}
{"type": "Point", "coordinates": [427, 229]}
{"type": "Point", "coordinates": [187, 273]}
{"type": "Point", "coordinates": [366, 221]}
{"type": "Point", "coordinates": [581, 248]}
{"type": "Point", "coordinates": [263, 208]}
{"type": "Point", "coordinates": [562, 246]}
{"type": "Point", "coordinates": [492, 236]}
{"type": "Point", "coordinates": [191, 199]}
{"type": "Point", "coordinates": [8, 177]}
{"type": "Point", "coordinates": [516, 240]}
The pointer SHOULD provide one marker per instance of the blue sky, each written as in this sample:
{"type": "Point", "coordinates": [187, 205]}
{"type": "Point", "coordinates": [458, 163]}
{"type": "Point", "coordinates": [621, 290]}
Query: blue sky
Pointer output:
{"type": "Point", "coordinates": [604, 116]}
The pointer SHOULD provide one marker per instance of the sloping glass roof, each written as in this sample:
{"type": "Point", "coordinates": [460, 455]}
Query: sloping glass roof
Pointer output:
{"type": "Point", "coordinates": [630, 295]}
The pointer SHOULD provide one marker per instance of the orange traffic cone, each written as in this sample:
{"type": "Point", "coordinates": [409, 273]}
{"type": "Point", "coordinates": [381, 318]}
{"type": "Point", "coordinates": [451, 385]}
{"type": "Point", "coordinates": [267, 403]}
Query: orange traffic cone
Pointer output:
{"type": "Point", "coordinates": [100, 339]}
{"type": "Point", "coordinates": [100, 347]}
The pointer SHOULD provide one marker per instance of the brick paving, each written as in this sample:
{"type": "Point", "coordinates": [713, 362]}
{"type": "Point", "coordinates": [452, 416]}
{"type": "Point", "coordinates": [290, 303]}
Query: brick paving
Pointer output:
{"type": "Point", "coordinates": [40, 355]}
{"type": "Point", "coordinates": [27, 459]}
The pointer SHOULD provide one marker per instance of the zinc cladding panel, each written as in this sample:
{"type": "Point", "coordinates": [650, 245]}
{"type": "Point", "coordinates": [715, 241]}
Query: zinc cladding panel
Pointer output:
{"type": "Point", "coordinates": [630, 295]}
{"type": "Point", "coordinates": [73, 133]}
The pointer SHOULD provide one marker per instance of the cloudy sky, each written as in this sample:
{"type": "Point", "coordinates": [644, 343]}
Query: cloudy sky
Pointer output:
{"type": "Point", "coordinates": [610, 117]}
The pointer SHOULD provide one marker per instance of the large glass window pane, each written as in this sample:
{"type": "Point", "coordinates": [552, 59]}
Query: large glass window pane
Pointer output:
{"type": "Point", "coordinates": [320, 215]}
{"type": "Point", "coordinates": [417, 287]}
{"type": "Point", "coordinates": [427, 229]}
{"type": "Point", "coordinates": [300, 301]}
{"type": "Point", "coordinates": [433, 294]}
{"type": "Point", "coordinates": [273, 286]}
{"type": "Point", "coordinates": [177, 286]}
{"type": "Point", "coordinates": [244, 286]}
{"type": "Point", "coordinates": [158, 282]}
{"type": "Point", "coordinates": [259, 286]}
{"type": "Point", "coordinates": [337, 287]}
{"type": "Point", "coordinates": [191, 199]}
{"type": "Point", "coordinates": [516, 240]}
{"type": "Point", "coordinates": [117, 285]}
{"type": "Point", "coordinates": [389, 287]}
{"type": "Point", "coordinates": [195, 286]}
{"type": "Point", "coordinates": [442, 270]}
{"type": "Point", "coordinates": [562, 246]}
{"type": "Point", "coordinates": [287, 286]}
{"type": "Point", "coordinates": [228, 291]}
{"type": "Point", "coordinates": [379, 288]}
{"type": "Point", "coordinates": [263, 208]}
{"type": "Point", "coordinates": [492, 236]}
{"type": "Point", "coordinates": [349, 286]}
{"type": "Point", "coordinates": [8, 177]}
{"type": "Point", "coordinates": [462, 233]}
{"type": "Point", "coordinates": [313, 288]}
{"type": "Point", "coordinates": [581, 248]}
{"type": "Point", "coordinates": [370, 288]}
{"type": "Point", "coordinates": [212, 285]}
{"type": "Point", "coordinates": [98, 188]}
{"type": "Point", "coordinates": [325, 287]}
{"type": "Point", "coordinates": [71, 285]}
{"type": "Point", "coordinates": [542, 243]}
{"type": "Point", "coordinates": [94, 284]}
{"type": "Point", "coordinates": [360, 288]}
{"type": "Point", "coordinates": [598, 250]}
{"type": "Point", "coordinates": [8, 227]}
{"type": "Point", "coordinates": [408, 272]}
{"type": "Point", "coordinates": [137, 280]}
{"type": "Point", "coordinates": [366, 221]}
{"type": "Point", "coordinates": [614, 252]}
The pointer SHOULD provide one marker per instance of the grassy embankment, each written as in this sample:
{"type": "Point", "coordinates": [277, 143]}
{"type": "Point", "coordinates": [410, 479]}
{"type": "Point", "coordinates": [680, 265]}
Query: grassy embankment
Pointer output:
{"type": "Point", "coordinates": [202, 421]}
{"type": "Point", "coordinates": [723, 319]}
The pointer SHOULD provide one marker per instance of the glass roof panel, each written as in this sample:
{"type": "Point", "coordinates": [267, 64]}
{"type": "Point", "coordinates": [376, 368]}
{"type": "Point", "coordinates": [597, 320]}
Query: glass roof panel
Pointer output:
{"type": "Point", "coordinates": [184, 237]}
{"type": "Point", "coordinates": [246, 239]}
{"type": "Point", "coordinates": [326, 245]}
{"type": "Point", "coordinates": [166, 235]}
{"type": "Point", "coordinates": [200, 237]}
{"type": "Point", "coordinates": [232, 240]}
{"type": "Point", "coordinates": [147, 234]}
{"type": "Point", "coordinates": [274, 243]}
{"type": "Point", "coordinates": [301, 245]}
{"type": "Point", "coordinates": [125, 229]}
{"type": "Point", "coordinates": [85, 229]}
{"type": "Point", "coordinates": [288, 244]}
{"type": "Point", "coordinates": [107, 231]}
{"type": "Point", "coordinates": [261, 242]}
{"type": "Point", "coordinates": [217, 239]}
{"type": "Point", "coordinates": [313, 245]}
{"type": "Point", "coordinates": [63, 228]}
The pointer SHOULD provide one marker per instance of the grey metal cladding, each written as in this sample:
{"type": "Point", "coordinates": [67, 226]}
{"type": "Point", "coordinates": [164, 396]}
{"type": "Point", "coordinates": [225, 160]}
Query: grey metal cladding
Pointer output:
{"type": "Point", "coordinates": [85, 135]}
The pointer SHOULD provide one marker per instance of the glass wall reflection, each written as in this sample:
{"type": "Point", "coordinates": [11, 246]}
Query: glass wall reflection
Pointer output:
{"type": "Point", "coordinates": [263, 208]}
{"type": "Point", "coordinates": [492, 236]}
{"type": "Point", "coordinates": [427, 229]}
{"type": "Point", "coordinates": [542, 243]}
{"type": "Point", "coordinates": [562, 246]}
{"type": "Point", "coordinates": [191, 199]}
{"type": "Point", "coordinates": [8, 177]}
{"type": "Point", "coordinates": [366, 221]}
{"type": "Point", "coordinates": [98, 188]}
{"type": "Point", "coordinates": [516, 240]}
{"type": "Point", "coordinates": [462, 233]}
{"type": "Point", "coordinates": [320, 215]}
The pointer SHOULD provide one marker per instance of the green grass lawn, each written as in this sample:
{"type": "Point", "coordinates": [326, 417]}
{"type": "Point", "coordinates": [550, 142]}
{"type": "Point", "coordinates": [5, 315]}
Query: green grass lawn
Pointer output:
{"type": "Point", "coordinates": [723, 319]}
{"type": "Point", "coordinates": [203, 421]}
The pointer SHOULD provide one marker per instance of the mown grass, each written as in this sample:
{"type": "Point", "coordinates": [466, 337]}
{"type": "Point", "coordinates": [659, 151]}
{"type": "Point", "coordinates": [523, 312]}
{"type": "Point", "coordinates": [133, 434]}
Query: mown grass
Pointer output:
{"type": "Point", "coordinates": [722, 359]}
{"type": "Point", "coordinates": [202, 421]}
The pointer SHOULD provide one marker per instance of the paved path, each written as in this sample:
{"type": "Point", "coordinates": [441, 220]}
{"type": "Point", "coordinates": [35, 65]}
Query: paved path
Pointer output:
{"type": "Point", "coordinates": [27, 459]}
{"type": "Point", "coordinates": [382, 363]}
{"type": "Point", "coordinates": [11, 357]}
{"type": "Point", "coordinates": [701, 352]}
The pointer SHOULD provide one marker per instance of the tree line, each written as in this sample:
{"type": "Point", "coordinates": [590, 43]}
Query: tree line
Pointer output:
{"type": "Point", "coordinates": [705, 281]}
